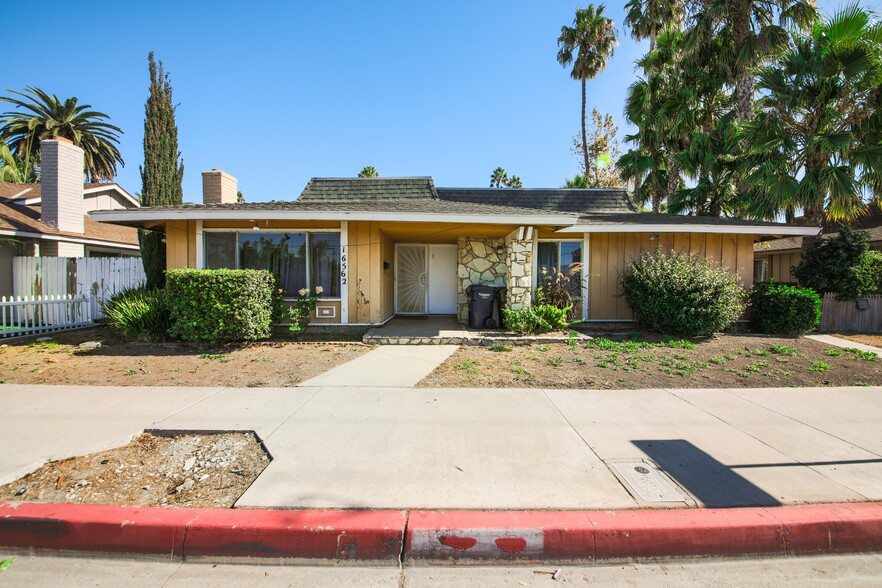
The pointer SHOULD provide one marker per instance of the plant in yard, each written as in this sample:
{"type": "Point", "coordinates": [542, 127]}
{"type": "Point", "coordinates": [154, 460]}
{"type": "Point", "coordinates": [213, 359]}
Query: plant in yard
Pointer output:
{"type": "Point", "coordinates": [819, 366]}
{"type": "Point", "coordinates": [557, 288]}
{"type": "Point", "coordinates": [779, 308]}
{"type": "Point", "coordinates": [831, 352]}
{"type": "Point", "coordinates": [301, 311]}
{"type": "Point", "coordinates": [536, 319]}
{"type": "Point", "coordinates": [221, 305]}
{"type": "Point", "coordinates": [843, 264]}
{"type": "Point", "coordinates": [861, 354]}
{"type": "Point", "coordinates": [499, 347]}
{"type": "Point", "coordinates": [163, 170]}
{"type": "Point", "coordinates": [681, 295]}
{"type": "Point", "coordinates": [140, 313]}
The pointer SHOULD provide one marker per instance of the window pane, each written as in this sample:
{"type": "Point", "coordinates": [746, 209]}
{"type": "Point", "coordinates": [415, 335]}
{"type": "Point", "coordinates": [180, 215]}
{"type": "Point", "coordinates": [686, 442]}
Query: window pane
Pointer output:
{"type": "Point", "coordinates": [547, 258]}
{"type": "Point", "coordinates": [220, 250]}
{"type": "Point", "coordinates": [324, 263]}
{"type": "Point", "coordinates": [570, 266]}
{"type": "Point", "coordinates": [284, 254]}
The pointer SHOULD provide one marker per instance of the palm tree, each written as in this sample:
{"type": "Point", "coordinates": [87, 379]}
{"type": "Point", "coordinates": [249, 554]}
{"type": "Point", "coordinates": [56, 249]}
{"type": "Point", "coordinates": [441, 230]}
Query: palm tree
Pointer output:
{"type": "Point", "coordinates": [587, 45]}
{"type": "Point", "coordinates": [368, 171]}
{"type": "Point", "coordinates": [514, 182]}
{"type": "Point", "coordinates": [498, 178]}
{"type": "Point", "coordinates": [46, 116]}
{"type": "Point", "coordinates": [752, 32]}
{"type": "Point", "coordinates": [814, 143]}
{"type": "Point", "coordinates": [9, 171]}
{"type": "Point", "coordinates": [647, 18]}
{"type": "Point", "coordinates": [578, 181]}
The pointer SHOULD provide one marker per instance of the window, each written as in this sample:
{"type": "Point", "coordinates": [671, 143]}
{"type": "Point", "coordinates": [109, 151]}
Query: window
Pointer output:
{"type": "Point", "coordinates": [564, 257]}
{"type": "Point", "coordinates": [300, 260]}
{"type": "Point", "coordinates": [761, 270]}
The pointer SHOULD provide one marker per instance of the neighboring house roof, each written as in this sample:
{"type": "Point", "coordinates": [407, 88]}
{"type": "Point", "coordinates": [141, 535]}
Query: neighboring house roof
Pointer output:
{"type": "Point", "coordinates": [870, 222]}
{"type": "Point", "coordinates": [417, 199]}
{"type": "Point", "coordinates": [32, 193]}
{"type": "Point", "coordinates": [24, 221]}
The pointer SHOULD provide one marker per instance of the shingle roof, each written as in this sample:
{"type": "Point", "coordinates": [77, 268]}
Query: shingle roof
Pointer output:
{"type": "Point", "coordinates": [581, 201]}
{"type": "Point", "coordinates": [870, 222]}
{"type": "Point", "coordinates": [650, 218]}
{"type": "Point", "coordinates": [349, 189]}
{"type": "Point", "coordinates": [16, 217]}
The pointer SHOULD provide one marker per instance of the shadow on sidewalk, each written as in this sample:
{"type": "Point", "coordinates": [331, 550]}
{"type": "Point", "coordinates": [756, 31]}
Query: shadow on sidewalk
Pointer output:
{"type": "Point", "coordinates": [713, 483]}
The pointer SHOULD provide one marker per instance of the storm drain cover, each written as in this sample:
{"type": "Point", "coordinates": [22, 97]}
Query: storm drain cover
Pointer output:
{"type": "Point", "coordinates": [646, 482]}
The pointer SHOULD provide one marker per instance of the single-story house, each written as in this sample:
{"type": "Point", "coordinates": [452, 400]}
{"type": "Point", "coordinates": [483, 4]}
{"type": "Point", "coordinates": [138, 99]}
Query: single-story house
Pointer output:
{"type": "Point", "coordinates": [774, 258]}
{"type": "Point", "coordinates": [381, 247]}
{"type": "Point", "coordinates": [51, 218]}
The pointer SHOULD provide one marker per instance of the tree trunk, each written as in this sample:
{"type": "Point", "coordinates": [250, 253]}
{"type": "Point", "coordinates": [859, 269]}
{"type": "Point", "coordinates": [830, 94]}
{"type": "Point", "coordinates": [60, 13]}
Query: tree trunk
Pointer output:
{"type": "Point", "coordinates": [812, 217]}
{"type": "Point", "coordinates": [585, 126]}
{"type": "Point", "coordinates": [739, 18]}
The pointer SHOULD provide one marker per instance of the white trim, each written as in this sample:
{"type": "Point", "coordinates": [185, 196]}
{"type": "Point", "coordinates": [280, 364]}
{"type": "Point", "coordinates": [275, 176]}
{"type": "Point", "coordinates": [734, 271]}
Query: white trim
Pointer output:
{"type": "Point", "coordinates": [684, 228]}
{"type": "Point", "coordinates": [586, 275]}
{"type": "Point", "coordinates": [62, 238]}
{"type": "Point", "coordinates": [344, 271]}
{"type": "Point", "coordinates": [271, 230]}
{"type": "Point", "coordinates": [200, 246]}
{"type": "Point", "coordinates": [324, 308]}
{"type": "Point", "coordinates": [198, 212]}
{"type": "Point", "coordinates": [12, 199]}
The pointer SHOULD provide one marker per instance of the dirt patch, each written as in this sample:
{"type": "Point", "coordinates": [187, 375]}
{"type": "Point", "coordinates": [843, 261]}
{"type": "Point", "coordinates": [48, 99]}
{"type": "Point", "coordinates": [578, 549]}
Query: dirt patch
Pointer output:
{"type": "Point", "coordinates": [726, 361]}
{"type": "Point", "coordinates": [191, 471]}
{"type": "Point", "coordinates": [122, 362]}
{"type": "Point", "coordinates": [865, 338]}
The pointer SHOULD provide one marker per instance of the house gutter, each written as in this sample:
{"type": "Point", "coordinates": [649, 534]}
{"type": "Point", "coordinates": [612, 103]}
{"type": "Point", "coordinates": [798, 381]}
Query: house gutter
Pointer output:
{"type": "Point", "coordinates": [47, 237]}
{"type": "Point", "coordinates": [788, 230]}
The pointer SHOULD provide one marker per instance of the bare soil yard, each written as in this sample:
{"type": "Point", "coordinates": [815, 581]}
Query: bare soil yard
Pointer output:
{"type": "Point", "coordinates": [725, 361]}
{"type": "Point", "coordinates": [188, 471]}
{"type": "Point", "coordinates": [123, 362]}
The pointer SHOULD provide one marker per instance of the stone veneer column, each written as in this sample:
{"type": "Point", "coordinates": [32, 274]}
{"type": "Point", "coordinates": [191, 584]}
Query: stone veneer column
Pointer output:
{"type": "Point", "coordinates": [479, 263]}
{"type": "Point", "coordinates": [519, 268]}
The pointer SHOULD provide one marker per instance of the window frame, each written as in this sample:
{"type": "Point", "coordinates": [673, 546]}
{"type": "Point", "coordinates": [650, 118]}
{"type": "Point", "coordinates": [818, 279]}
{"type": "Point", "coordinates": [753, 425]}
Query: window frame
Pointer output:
{"type": "Point", "coordinates": [537, 269]}
{"type": "Point", "coordinates": [276, 230]}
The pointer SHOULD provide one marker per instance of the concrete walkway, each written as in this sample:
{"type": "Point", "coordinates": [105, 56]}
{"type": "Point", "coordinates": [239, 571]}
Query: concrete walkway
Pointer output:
{"type": "Point", "coordinates": [839, 342]}
{"type": "Point", "coordinates": [387, 365]}
{"type": "Point", "coordinates": [379, 447]}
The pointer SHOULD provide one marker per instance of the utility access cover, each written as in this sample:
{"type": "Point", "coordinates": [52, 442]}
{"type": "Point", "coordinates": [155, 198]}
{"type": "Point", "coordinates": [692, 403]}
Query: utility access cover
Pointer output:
{"type": "Point", "coordinates": [646, 482]}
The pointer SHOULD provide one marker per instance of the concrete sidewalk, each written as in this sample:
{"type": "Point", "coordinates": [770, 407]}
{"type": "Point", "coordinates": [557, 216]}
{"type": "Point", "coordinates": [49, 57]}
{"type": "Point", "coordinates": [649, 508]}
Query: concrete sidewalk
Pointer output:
{"type": "Point", "coordinates": [387, 365]}
{"type": "Point", "coordinates": [351, 447]}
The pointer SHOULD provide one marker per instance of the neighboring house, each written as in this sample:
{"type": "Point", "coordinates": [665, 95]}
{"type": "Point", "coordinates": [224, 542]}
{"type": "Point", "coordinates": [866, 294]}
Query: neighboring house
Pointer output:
{"type": "Point", "coordinates": [51, 219]}
{"type": "Point", "coordinates": [773, 259]}
{"type": "Point", "coordinates": [381, 247]}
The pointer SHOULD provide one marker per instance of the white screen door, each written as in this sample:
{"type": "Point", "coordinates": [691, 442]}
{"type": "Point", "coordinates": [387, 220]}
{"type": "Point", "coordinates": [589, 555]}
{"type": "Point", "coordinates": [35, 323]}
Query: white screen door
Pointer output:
{"type": "Point", "coordinates": [411, 279]}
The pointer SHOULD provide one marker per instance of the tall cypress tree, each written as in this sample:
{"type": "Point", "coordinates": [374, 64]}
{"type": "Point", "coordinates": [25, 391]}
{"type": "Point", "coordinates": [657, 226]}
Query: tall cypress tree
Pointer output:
{"type": "Point", "coordinates": [163, 169]}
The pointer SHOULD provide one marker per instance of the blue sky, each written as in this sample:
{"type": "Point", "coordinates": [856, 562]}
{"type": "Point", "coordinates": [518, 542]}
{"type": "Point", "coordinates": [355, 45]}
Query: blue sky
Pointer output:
{"type": "Point", "coordinates": [276, 93]}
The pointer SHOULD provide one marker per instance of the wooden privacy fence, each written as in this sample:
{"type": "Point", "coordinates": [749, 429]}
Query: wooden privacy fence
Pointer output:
{"type": "Point", "coordinates": [863, 316]}
{"type": "Point", "coordinates": [97, 278]}
{"type": "Point", "coordinates": [26, 315]}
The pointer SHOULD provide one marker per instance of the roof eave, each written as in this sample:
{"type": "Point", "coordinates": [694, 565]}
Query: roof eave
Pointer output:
{"type": "Point", "coordinates": [778, 231]}
{"type": "Point", "coordinates": [136, 217]}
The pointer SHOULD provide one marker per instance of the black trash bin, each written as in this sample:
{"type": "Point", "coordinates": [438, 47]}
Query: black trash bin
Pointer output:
{"type": "Point", "coordinates": [483, 300]}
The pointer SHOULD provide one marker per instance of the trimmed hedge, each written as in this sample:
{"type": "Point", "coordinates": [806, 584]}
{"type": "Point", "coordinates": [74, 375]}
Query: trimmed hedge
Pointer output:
{"type": "Point", "coordinates": [222, 304]}
{"type": "Point", "coordinates": [782, 309]}
{"type": "Point", "coordinates": [682, 295]}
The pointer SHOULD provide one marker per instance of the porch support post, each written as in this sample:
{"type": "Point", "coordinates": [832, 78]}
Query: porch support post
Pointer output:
{"type": "Point", "coordinates": [519, 268]}
{"type": "Point", "coordinates": [200, 246]}
{"type": "Point", "coordinates": [586, 274]}
{"type": "Point", "coordinates": [344, 272]}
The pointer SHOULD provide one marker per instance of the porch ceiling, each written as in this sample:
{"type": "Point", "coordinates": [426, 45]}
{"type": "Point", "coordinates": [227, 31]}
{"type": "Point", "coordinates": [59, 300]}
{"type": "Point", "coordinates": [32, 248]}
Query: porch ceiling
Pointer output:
{"type": "Point", "coordinates": [441, 232]}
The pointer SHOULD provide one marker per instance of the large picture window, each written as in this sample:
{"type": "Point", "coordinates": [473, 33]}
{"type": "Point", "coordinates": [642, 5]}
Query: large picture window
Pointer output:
{"type": "Point", "coordinates": [301, 260]}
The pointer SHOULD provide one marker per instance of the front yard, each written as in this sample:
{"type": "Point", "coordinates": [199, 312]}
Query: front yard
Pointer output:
{"type": "Point", "coordinates": [725, 361]}
{"type": "Point", "coordinates": [123, 362]}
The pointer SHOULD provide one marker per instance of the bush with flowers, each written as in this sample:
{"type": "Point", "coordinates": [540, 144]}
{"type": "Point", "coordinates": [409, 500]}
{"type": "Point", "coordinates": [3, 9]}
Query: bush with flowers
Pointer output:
{"type": "Point", "coordinates": [301, 311]}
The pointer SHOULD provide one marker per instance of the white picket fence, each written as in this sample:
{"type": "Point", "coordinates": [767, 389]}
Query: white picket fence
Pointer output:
{"type": "Point", "coordinates": [96, 278]}
{"type": "Point", "coordinates": [27, 315]}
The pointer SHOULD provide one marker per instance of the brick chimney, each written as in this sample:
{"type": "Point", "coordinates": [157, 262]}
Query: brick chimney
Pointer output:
{"type": "Point", "coordinates": [219, 187]}
{"type": "Point", "coordinates": [61, 179]}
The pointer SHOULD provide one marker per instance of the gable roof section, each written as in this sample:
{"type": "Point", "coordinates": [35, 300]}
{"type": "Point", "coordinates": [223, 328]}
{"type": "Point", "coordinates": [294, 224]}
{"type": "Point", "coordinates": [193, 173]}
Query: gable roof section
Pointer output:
{"type": "Point", "coordinates": [356, 189]}
{"type": "Point", "coordinates": [33, 193]}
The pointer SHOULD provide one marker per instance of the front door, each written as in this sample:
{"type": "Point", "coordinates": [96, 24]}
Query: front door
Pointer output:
{"type": "Point", "coordinates": [442, 279]}
{"type": "Point", "coordinates": [425, 279]}
{"type": "Point", "coordinates": [411, 279]}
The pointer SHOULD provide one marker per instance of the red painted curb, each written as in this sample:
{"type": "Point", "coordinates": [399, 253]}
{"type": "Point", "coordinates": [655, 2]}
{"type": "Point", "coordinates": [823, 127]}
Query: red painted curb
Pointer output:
{"type": "Point", "coordinates": [633, 534]}
{"type": "Point", "coordinates": [433, 535]}
{"type": "Point", "coordinates": [374, 535]}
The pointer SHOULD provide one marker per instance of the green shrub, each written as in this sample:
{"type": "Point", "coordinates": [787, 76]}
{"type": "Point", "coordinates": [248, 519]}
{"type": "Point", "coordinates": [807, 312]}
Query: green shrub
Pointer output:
{"type": "Point", "coordinates": [536, 319]}
{"type": "Point", "coordinates": [842, 264]}
{"type": "Point", "coordinates": [681, 295]}
{"type": "Point", "coordinates": [139, 313]}
{"type": "Point", "coordinates": [222, 304]}
{"type": "Point", "coordinates": [779, 308]}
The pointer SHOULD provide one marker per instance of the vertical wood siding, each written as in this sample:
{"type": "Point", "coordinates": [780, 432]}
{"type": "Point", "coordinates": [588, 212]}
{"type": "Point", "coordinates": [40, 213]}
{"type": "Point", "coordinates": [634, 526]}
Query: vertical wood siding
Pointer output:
{"type": "Point", "coordinates": [611, 253]}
